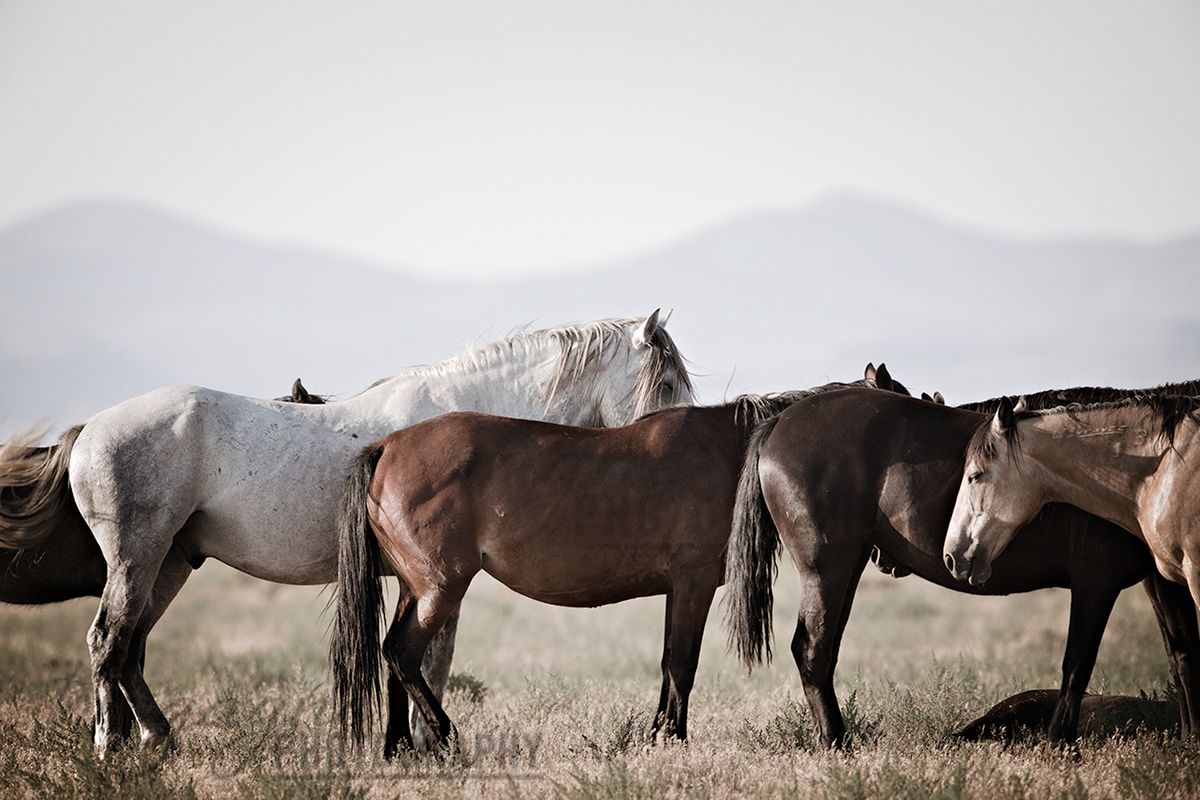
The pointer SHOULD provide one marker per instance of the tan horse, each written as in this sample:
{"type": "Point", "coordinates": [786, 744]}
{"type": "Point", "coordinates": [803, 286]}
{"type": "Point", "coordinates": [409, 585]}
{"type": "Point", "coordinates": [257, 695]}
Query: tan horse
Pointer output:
{"type": "Point", "coordinates": [1131, 462]}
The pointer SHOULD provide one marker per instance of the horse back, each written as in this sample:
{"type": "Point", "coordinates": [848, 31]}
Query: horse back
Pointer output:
{"type": "Point", "coordinates": [857, 451]}
{"type": "Point", "coordinates": [470, 451]}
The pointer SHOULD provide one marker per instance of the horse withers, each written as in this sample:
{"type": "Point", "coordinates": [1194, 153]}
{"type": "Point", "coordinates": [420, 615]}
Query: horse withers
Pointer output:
{"type": "Point", "coordinates": [840, 473]}
{"type": "Point", "coordinates": [568, 516]}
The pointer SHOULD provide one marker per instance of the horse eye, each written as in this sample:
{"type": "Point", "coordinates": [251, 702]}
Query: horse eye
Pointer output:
{"type": "Point", "coordinates": [974, 476]}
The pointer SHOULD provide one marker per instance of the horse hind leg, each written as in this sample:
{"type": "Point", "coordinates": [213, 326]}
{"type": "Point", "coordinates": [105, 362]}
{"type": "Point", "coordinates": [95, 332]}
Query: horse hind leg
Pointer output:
{"type": "Point", "coordinates": [398, 736]}
{"type": "Point", "coordinates": [436, 669]}
{"type": "Point", "coordinates": [1177, 619]}
{"type": "Point", "coordinates": [404, 649]}
{"type": "Point", "coordinates": [134, 563]}
{"type": "Point", "coordinates": [109, 642]}
{"type": "Point", "coordinates": [827, 594]}
{"type": "Point", "coordinates": [171, 577]}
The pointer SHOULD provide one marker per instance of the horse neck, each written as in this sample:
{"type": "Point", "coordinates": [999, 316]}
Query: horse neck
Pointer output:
{"type": "Point", "coordinates": [1099, 460]}
{"type": "Point", "coordinates": [512, 383]}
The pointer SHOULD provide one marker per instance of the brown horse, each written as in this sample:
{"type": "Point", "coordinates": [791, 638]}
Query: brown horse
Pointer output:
{"type": "Point", "coordinates": [844, 471]}
{"type": "Point", "coordinates": [568, 516]}
{"type": "Point", "coordinates": [1132, 462]}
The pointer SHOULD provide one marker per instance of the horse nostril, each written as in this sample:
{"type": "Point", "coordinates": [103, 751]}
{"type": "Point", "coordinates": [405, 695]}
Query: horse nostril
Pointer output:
{"type": "Point", "coordinates": [949, 562]}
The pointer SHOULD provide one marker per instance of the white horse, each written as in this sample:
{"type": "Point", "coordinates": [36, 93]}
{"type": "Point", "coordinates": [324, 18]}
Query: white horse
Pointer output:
{"type": "Point", "coordinates": [185, 473]}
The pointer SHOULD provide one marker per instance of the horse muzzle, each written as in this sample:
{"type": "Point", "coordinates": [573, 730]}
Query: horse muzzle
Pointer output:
{"type": "Point", "coordinates": [973, 571]}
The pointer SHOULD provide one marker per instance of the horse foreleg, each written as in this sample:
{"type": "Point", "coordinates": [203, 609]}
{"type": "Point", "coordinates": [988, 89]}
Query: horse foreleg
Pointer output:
{"type": "Point", "coordinates": [1090, 609]}
{"type": "Point", "coordinates": [689, 611]}
{"type": "Point", "coordinates": [660, 716]}
{"type": "Point", "coordinates": [1177, 619]}
{"type": "Point", "coordinates": [436, 669]}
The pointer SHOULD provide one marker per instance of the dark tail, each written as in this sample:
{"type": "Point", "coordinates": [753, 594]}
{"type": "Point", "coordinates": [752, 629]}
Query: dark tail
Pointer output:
{"type": "Point", "coordinates": [354, 648]}
{"type": "Point", "coordinates": [34, 492]}
{"type": "Point", "coordinates": [750, 560]}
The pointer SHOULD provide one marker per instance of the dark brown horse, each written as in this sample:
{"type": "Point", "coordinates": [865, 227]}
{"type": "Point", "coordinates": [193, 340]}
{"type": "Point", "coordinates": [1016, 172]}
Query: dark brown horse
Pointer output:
{"type": "Point", "coordinates": [842, 472]}
{"type": "Point", "coordinates": [1099, 715]}
{"type": "Point", "coordinates": [569, 516]}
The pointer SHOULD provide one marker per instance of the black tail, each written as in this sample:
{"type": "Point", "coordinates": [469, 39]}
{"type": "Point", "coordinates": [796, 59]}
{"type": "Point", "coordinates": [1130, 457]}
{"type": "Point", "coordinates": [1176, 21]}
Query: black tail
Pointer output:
{"type": "Point", "coordinates": [750, 560]}
{"type": "Point", "coordinates": [354, 648]}
{"type": "Point", "coordinates": [34, 492]}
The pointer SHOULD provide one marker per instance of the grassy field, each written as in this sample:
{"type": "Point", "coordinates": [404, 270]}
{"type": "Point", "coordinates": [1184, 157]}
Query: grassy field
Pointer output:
{"type": "Point", "coordinates": [556, 702]}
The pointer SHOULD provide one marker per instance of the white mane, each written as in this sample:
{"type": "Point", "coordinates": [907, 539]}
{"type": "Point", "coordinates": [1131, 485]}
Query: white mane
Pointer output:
{"type": "Point", "coordinates": [580, 346]}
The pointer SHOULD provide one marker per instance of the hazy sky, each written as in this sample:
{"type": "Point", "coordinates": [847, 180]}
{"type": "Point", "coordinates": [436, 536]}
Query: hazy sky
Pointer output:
{"type": "Point", "coordinates": [505, 137]}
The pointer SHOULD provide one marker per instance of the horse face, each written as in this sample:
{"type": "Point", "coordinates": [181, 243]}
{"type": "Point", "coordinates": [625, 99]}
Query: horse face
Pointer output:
{"type": "Point", "coordinates": [995, 498]}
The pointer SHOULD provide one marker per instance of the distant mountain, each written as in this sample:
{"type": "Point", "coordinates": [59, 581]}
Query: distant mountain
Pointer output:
{"type": "Point", "coordinates": [104, 301]}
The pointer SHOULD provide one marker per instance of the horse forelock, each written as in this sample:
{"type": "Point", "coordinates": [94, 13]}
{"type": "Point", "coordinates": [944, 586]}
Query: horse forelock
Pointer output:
{"type": "Point", "coordinates": [984, 445]}
{"type": "Point", "coordinates": [664, 356]}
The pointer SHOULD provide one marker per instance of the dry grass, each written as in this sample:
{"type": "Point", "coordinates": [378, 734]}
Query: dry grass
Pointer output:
{"type": "Point", "coordinates": [556, 702]}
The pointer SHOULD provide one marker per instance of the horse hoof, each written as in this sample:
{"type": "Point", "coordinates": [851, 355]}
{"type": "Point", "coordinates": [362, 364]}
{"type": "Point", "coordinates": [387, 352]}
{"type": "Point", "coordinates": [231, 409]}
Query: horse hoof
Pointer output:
{"type": "Point", "coordinates": [422, 740]}
{"type": "Point", "coordinates": [665, 737]}
{"type": "Point", "coordinates": [108, 745]}
{"type": "Point", "coordinates": [393, 749]}
{"type": "Point", "coordinates": [156, 742]}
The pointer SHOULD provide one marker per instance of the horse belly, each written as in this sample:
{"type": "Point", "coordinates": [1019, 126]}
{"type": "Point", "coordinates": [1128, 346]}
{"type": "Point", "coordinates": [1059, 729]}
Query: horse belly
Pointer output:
{"type": "Point", "coordinates": [579, 571]}
{"type": "Point", "coordinates": [273, 544]}
{"type": "Point", "coordinates": [276, 524]}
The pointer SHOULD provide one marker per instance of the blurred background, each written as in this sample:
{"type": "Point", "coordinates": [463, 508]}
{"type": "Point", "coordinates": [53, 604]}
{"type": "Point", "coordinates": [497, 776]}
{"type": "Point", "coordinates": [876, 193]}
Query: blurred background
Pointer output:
{"type": "Point", "coordinates": [991, 200]}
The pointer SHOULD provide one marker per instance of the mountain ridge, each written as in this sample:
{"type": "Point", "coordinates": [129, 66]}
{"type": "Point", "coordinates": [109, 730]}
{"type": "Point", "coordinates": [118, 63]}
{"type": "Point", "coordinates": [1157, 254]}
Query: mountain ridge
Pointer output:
{"type": "Point", "coordinates": [763, 302]}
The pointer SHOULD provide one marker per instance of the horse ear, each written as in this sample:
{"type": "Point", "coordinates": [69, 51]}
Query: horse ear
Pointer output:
{"type": "Point", "coordinates": [1022, 405]}
{"type": "Point", "coordinates": [646, 333]}
{"type": "Point", "coordinates": [937, 398]}
{"type": "Point", "coordinates": [925, 396]}
{"type": "Point", "coordinates": [883, 378]}
{"type": "Point", "coordinates": [1003, 421]}
{"type": "Point", "coordinates": [869, 372]}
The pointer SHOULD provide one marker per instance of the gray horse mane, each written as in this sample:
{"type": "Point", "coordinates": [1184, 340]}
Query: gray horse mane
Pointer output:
{"type": "Point", "coordinates": [580, 346]}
